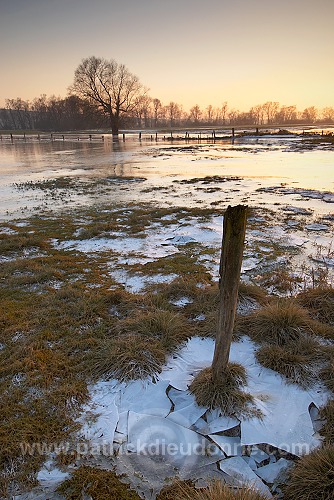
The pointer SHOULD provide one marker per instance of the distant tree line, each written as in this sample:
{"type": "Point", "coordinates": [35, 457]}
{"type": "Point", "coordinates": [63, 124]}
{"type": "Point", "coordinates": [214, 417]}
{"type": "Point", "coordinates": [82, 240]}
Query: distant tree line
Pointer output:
{"type": "Point", "coordinates": [105, 94]}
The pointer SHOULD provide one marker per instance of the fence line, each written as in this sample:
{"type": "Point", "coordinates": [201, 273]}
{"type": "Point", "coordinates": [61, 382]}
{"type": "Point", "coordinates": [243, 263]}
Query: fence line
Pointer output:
{"type": "Point", "coordinates": [177, 135]}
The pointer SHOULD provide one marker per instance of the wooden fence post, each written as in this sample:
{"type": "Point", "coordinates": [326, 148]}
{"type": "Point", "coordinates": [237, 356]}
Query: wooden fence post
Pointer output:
{"type": "Point", "coordinates": [234, 231]}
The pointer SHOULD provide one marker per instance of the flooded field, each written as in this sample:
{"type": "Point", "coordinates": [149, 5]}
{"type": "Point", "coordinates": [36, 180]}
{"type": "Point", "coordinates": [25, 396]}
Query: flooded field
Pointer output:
{"type": "Point", "coordinates": [109, 267]}
{"type": "Point", "coordinates": [265, 170]}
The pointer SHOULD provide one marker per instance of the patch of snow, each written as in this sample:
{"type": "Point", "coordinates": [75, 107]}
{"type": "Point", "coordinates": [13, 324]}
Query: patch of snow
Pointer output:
{"type": "Point", "coordinates": [182, 302]}
{"type": "Point", "coordinates": [249, 264]}
{"type": "Point", "coordinates": [317, 227]}
{"type": "Point", "coordinates": [136, 283]}
{"type": "Point", "coordinates": [159, 437]}
{"type": "Point", "coordinates": [50, 474]}
{"type": "Point", "coordinates": [181, 240]}
{"type": "Point", "coordinates": [7, 230]}
{"type": "Point", "coordinates": [297, 210]}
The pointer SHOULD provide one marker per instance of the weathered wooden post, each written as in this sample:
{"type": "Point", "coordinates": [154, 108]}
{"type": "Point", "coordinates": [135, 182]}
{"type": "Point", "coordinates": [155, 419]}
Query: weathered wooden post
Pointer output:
{"type": "Point", "coordinates": [234, 231]}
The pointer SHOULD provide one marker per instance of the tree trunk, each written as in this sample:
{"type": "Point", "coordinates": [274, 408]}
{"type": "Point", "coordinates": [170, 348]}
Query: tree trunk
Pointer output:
{"type": "Point", "coordinates": [114, 123]}
{"type": "Point", "coordinates": [230, 267]}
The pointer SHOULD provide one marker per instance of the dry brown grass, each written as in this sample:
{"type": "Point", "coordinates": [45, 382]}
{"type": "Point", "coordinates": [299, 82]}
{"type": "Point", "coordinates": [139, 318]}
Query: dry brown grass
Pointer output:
{"type": "Point", "coordinates": [228, 395]}
{"type": "Point", "coordinates": [320, 302]}
{"type": "Point", "coordinates": [293, 364]}
{"type": "Point", "coordinates": [327, 375]}
{"type": "Point", "coordinates": [281, 322]}
{"type": "Point", "coordinates": [312, 478]}
{"type": "Point", "coordinates": [216, 490]}
{"type": "Point", "coordinates": [125, 357]}
{"type": "Point", "coordinates": [168, 327]}
{"type": "Point", "coordinates": [98, 484]}
{"type": "Point", "coordinates": [249, 291]}
{"type": "Point", "coordinates": [327, 413]}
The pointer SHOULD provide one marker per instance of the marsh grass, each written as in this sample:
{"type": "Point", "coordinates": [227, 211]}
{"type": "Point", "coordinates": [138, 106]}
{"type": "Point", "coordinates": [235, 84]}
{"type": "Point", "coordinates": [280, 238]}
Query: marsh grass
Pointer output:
{"type": "Point", "coordinates": [228, 395]}
{"type": "Point", "coordinates": [216, 490]}
{"type": "Point", "coordinates": [296, 364]}
{"type": "Point", "coordinates": [327, 430]}
{"type": "Point", "coordinates": [137, 346]}
{"type": "Point", "coordinates": [281, 280]}
{"type": "Point", "coordinates": [281, 322]}
{"type": "Point", "coordinates": [65, 322]}
{"type": "Point", "coordinates": [183, 264]}
{"type": "Point", "coordinates": [320, 302]}
{"type": "Point", "coordinates": [327, 374]}
{"type": "Point", "coordinates": [206, 303]}
{"type": "Point", "coordinates": [249, 291]}
{"type": "Point", "coordinates": [168, 327]}
{"type": "Point", "coordinates": [312, 477]}
{"type": "Point", "coordinates": [125, 357]}
{"type": "Point", "coordinates": [99, 484]}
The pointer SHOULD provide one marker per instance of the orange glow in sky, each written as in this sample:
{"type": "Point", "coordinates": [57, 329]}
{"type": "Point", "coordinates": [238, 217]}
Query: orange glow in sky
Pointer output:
{"type": "Point", "coordinates": [245, 52]}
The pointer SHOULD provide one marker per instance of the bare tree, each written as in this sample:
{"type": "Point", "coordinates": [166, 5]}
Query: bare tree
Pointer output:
{"type": "Point", "coordinates": [209, 114]}
{"type": "Point", "coordinates": [328, 114]}
{"type": "Point", "coordinates": [224, 109]}
{"type": "Point", "coordinates": [195, 114]}
{"type": "Point", "coordinates": [270, 109]}
{"type": "Point", "coordinates": [109, 86]}
{"type": "Point", "coordinates": [309, 115]}
{"type": "Point", "coordinates": [156, 110]}
{"type": "Point", "coordinates": [20, 113]}
{"type": "Point", "coordinates": [174, 112]}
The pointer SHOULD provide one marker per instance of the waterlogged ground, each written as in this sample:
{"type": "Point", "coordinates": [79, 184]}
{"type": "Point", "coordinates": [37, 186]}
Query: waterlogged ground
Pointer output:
{"type": "Point", "coordinates": [112, 233]}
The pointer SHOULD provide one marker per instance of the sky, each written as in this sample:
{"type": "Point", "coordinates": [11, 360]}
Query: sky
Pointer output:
{"type": "Point", "coordinates": [245, 52]}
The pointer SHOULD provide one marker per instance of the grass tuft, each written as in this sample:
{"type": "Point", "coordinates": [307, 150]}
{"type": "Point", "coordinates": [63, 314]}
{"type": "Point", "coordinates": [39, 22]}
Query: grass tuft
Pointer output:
{"type": "Point", "coordinates": [312, 478]}
{"type": "Point", "coordinates": [327, 413]}
{"type": "Point", "coordinates": [279, 323]}
{"type": "Point", "coordinates": [327, 375]}
{"type": "Point", "coordinates": [217, 490]}
{"type": "Point", "coordinates": [227, 395]}
{"type": "Point", "coordinates": [320, 302]}
{"type": "Point", "coordinates": [97, 484]}
{"type": "Point", "coordinates": [126, 357]}
{"type": "Point", "coordinates": [169, 328]}
{"type": "Point", "coordinates": [296, 367]}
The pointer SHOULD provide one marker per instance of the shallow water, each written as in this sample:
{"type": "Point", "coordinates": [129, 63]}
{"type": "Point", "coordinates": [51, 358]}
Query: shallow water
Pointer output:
{"type": "Point", "coordinates": [259, 162]}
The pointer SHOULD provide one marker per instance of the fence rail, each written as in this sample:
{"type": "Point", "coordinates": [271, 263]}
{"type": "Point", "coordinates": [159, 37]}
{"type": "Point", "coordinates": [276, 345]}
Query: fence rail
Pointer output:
{"type": "Point", "coordinates": [178, 135]}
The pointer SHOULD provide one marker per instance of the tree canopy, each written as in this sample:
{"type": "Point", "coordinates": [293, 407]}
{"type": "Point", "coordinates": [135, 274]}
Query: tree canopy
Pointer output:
{"type": "Point", "coordinates": [110, 87]}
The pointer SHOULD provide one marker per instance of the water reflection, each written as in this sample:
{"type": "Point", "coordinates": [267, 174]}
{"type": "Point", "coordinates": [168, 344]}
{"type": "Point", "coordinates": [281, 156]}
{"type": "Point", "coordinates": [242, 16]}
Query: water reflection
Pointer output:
{"type": "Point", "coordinates": [264, 161]}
